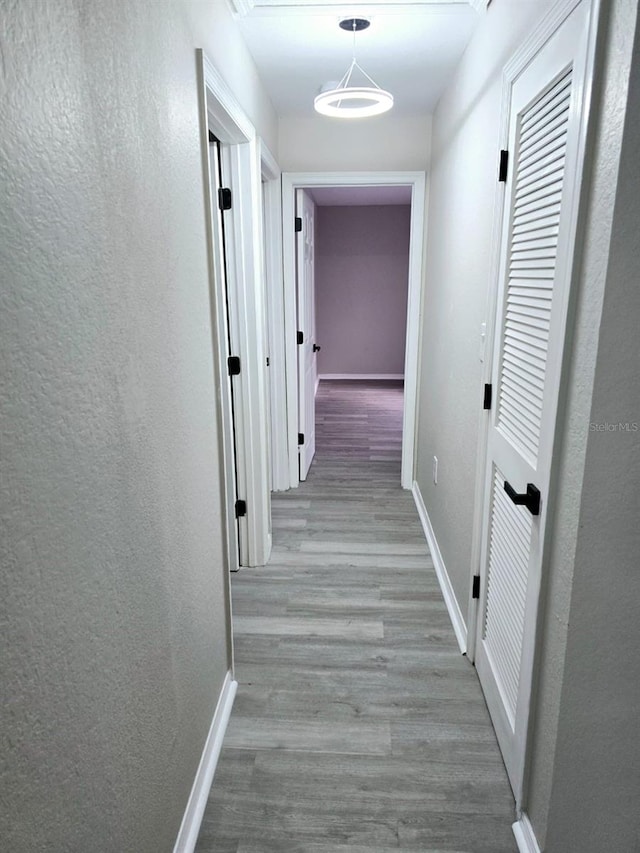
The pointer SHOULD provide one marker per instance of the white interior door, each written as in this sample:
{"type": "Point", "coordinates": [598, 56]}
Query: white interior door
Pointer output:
{"type": "Point", "coordinates": [305, 212]}
{"type": "Point", "coordinates": [223, 338]}
{"type": "Point", "coordinates": [536, 263]}
{"type": "Point", "coordinates": [267, 326]}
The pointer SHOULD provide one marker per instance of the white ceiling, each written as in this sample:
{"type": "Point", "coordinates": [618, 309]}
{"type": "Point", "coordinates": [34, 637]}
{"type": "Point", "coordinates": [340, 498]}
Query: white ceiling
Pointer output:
{"type": "Point", "coordinates": [411, 48]}
{"type": "Point", "coordinates": [359, 196]}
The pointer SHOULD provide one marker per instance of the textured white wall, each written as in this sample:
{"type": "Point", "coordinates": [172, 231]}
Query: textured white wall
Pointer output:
{"type": "Point", "coordinates": [383, 143]}
{"type": "Point", "coordinates": [362, 271]}
{"type": "Point", "coordinates": [115, 641]}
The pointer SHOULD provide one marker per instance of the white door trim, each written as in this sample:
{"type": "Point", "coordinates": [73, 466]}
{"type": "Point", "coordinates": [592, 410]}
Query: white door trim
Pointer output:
{"type": "Point", "coordinates": [298, 180]}
{"type": "Point", "coordinates": [272, 190]}
{"type": "Point", "coordinates": [514, 68]}
{"type": "Point", "coordinates": [223, 115]}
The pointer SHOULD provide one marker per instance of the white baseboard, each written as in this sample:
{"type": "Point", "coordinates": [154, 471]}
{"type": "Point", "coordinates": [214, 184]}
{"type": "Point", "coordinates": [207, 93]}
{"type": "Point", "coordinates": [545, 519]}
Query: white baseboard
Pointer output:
{"type": "Point", "coordinates": [361, 376]}
{"type": "Point", "coordinates": [190, 827]}
{"type": "Point", "coordinates": [448, 594]}
{"type": "Point", "coordinates": [525, 836]}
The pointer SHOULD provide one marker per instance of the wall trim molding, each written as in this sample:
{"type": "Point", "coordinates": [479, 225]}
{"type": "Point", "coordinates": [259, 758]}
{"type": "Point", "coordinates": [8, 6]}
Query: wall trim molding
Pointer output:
{"type": "Point", "coordinates": [541, 34]}
{"type": "Point", "coordinates": [361, 376]}
{"type": "Point", "coordinates": [241, 7]}
{"type": "Point", "coordinates": [525, 836]}
{"type": "Point", "coordinates": [193, 814]}
{"type": "Point", "coordinates": [455, 614]}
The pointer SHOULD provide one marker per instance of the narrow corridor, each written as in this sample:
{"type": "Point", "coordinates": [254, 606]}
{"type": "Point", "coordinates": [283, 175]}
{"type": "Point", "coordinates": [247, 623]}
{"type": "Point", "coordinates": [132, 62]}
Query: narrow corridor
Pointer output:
{"type": "Point", "coordinates": [358, 727]}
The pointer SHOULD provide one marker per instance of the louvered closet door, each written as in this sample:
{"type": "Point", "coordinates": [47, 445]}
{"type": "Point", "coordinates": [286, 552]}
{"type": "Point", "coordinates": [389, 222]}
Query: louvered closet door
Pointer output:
{"type": "Point", "coordinates": [537, 251]}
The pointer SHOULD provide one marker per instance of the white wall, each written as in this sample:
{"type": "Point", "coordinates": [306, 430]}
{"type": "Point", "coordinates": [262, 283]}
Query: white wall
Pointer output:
{"type": "Point", "coordinates": [362, 276]}
{"type": "Point", "coordinates": [113, 587]}
{"type": "Point", "coordinates": [382, 143]}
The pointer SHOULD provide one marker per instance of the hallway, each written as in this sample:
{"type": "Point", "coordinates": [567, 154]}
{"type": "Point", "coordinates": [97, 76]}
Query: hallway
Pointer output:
{"type": "Point", "coordinates": [358, 726]}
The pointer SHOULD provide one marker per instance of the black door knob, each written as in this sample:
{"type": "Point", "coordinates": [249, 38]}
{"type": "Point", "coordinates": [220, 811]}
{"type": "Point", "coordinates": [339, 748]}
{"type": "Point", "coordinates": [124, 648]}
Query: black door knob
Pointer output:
{"type": "Point", "coordinates": [316, 348]}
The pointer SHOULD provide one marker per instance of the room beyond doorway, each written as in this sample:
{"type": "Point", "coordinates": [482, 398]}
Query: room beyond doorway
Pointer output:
{"type": "Point", "coordinates": [361, 282]}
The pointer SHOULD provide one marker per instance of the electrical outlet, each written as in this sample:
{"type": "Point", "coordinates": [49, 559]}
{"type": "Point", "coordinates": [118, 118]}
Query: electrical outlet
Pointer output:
{"type": "Point", "coordinates": [435, 470]}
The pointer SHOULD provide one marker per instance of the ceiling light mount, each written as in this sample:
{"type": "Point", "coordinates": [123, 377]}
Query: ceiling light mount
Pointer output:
{"type": "Point", "coordinates": [347, 100]}
{"type": "Point", "coordinates": [355, 25]}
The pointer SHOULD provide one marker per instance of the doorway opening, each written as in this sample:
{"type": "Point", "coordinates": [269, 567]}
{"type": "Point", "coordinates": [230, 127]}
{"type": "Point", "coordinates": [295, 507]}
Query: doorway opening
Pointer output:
{"type": "Point", "coordinates": [361, 265]}
{"type": "Point", "coordinates": [303, 195]}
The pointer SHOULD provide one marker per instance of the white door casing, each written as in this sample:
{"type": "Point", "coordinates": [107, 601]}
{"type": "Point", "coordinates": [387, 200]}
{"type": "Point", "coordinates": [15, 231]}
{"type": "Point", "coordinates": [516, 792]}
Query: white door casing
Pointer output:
{"type": "Point", "coordinates": [292, 181]}
{"type": "Point", "coordinates": [305, 278]}
{"type": "Point", "coordinates": [547, 118]}
{"type": "Point", "coordinates": [222, 114]}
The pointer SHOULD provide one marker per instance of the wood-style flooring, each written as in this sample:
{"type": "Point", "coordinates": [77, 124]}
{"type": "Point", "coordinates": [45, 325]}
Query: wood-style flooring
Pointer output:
{"type": "Point", "coordinates": [358, 726]}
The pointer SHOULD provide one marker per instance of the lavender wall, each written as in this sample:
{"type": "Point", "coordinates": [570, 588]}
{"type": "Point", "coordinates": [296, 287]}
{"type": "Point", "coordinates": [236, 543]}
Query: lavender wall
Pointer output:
{"type": "Point", "coordinates": [362, 268]}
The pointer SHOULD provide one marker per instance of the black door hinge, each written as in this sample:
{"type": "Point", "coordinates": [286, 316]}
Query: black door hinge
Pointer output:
{"type": "Point", "coordinates": [475, 592]}
{"type": "Point", "coordinates": [488, 392]}
{"type": "Point", "coordinates": [298, 224]}
{"type": "Point", "coordinates": [299, 338]}
{"type": "Point", "coordinates": [241, 509]}
{"type": "Point", "coordinates": [233, 365]}
{"type": "Point", "coordinates": [300, 438]}
{"type": "Point", "coordinates": [268, 361]}
{"type": "Point", "coordinates": [224, 198]}
{"type": "Point", "coordinates": [504, 165]}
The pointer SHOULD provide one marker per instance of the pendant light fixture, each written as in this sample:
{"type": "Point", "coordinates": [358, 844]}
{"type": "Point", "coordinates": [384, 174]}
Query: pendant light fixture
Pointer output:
{"type": "Point", "coordinates": [347, 100]}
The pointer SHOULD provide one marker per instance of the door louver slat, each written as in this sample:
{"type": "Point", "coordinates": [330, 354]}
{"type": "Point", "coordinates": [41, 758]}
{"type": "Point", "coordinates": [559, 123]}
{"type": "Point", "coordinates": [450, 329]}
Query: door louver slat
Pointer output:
{"type": "Point", "coordinates": [529, 288]}
{"type": "Point", "coordinates": [542, 107]}
{"type": "Point", "coordinates": [507, 586]}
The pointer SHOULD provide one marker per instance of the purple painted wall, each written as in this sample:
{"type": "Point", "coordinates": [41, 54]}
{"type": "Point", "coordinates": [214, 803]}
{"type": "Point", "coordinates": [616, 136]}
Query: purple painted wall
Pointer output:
{"type": "Point", "coordinates": [362, 269]}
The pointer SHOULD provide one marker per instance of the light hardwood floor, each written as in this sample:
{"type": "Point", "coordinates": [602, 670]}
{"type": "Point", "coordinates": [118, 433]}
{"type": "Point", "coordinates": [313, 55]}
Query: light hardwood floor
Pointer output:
{"type": "Point", "coordinates": [358, 727]}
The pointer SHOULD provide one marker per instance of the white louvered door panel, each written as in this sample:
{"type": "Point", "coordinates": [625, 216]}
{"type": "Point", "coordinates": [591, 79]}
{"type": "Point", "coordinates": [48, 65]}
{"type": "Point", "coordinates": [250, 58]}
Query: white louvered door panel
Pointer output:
{"type": "Point", "coordinates": [537, 248]}
{"type": "Point", "coordinates": [508, 567]}
{"type": "Point", "coordinates": [537, 195]}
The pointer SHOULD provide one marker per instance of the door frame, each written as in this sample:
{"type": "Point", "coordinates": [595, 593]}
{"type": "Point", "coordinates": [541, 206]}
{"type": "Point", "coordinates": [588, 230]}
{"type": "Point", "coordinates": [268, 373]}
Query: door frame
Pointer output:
{"type": "Point", "coordinates": [272, 194]}
{"type": "Point", "coordinates": [221, 114]}
{"type": "Point", "coordinates": [291, 181]}
{"type": "Point", "coordinates": [517, 64]}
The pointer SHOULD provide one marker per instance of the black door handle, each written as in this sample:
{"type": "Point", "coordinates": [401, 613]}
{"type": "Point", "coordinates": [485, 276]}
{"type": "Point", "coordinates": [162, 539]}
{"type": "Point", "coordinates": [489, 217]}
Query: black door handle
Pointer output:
{"type": "Point", "coordinates": [530, 499]}
{"type": "Point", "coordinates": [316, 348]}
